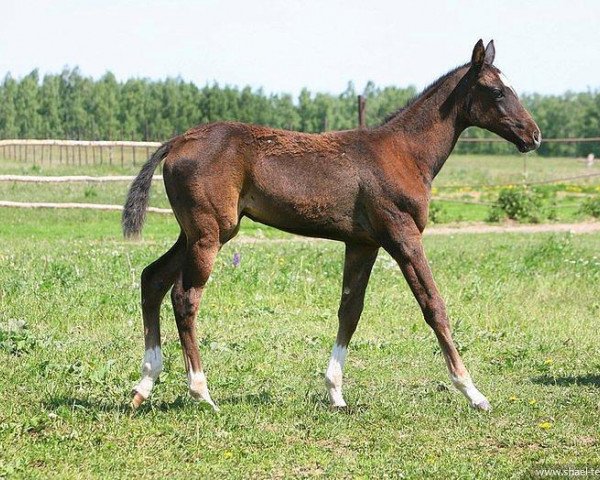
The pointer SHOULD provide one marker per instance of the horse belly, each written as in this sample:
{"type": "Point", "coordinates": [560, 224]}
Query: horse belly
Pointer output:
{"type": "Point", "coordinates": [315, 202]}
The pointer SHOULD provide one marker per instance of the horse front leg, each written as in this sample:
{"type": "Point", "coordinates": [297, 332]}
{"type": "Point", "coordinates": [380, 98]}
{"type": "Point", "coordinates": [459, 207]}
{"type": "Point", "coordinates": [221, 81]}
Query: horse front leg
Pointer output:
{"type": "Point", "coordinates": [358, 263]}
{"type": "Point", "coordinates": [406, 247]}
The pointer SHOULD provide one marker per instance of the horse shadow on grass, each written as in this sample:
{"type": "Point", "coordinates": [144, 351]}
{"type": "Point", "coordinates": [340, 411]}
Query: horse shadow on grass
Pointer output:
{"type": "Point", "coordinates": [75, 403]}
{"type": "Point", "coordinates": [260, 398]}
{"type": "Point", "coordinates": [181, 402]}
{"type": "Point", "coordinates": [586, 380]}
{"type": "Point", "coordinates": [185, 402]}
{"type": "Point", "coordinates": [88, 405]}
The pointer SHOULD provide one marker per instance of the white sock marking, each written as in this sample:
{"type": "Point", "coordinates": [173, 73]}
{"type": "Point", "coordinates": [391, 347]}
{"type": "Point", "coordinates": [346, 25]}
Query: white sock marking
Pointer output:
{"type": "Point", "coordinates": [468, 389]}
{"type": "Point", "coordinates": [199, 388]}
{"type": "Point", "coordinates": [151, 367]}
{"type": "Point", "coordinates": [334, 375]}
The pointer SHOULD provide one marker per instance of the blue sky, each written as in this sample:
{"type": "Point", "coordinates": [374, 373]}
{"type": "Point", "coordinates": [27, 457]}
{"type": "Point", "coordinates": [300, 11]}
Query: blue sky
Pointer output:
{"type": "Point", "coordinates": [282, 46]}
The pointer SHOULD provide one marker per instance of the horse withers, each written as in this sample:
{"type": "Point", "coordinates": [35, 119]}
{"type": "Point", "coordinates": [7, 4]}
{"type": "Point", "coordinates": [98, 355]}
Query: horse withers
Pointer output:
{"type": "Point", "coordinates": [369, 188]}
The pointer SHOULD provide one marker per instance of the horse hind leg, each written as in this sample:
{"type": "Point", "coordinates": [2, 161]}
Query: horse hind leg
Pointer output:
{"type": "Point", "coordinates": [157, 279]}
{"type": "Point", "coordinates": [186, 296]}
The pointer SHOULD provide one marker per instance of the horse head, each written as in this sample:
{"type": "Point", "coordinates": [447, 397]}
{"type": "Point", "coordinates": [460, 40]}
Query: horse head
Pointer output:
{"type": "Point", "coordinates": [492, 103]}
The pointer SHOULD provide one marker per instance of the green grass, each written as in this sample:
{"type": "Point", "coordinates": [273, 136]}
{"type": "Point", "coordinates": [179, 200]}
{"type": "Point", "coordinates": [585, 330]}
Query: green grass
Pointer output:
{"type": "Point", "coordinates": [567, 211]}
{"type": "Point", "coordinates": [511, 169]}
{"type": "Point", "coordinates": [94, 226]}
{"type": "Point", "coordinates": [107, 193]}
{"type": "Point", "coordinates": [524, 310]}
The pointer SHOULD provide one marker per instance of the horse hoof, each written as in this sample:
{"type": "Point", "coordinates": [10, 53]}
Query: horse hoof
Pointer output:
{"type": "Point", "coordinates": [484, 406]}
{"type": "Point", "coordinates": [211, 404]}
{"type": "Point", "coordinates": [202, 398]}
{"type": "Point", "coordinates": [339, 408]}
{"type": "Point", "coordinates": [338, 405]}
{"type": "Point", "coordinates": [137, 400]}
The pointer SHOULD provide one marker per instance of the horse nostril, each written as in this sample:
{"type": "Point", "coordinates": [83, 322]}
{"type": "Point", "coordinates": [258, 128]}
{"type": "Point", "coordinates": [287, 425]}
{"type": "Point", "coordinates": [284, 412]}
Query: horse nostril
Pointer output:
{"type": "Point", "coordinates": [537, 137]}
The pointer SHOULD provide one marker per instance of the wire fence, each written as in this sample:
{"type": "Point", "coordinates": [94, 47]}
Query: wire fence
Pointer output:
{"type": "Point", "coordinates": [76, 152]}
{"type": "Point", "coordinates": [524, 183]}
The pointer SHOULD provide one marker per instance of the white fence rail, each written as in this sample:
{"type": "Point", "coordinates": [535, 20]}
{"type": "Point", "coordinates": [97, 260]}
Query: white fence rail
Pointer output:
{"type": "Point", "coordinates": [85, 206]}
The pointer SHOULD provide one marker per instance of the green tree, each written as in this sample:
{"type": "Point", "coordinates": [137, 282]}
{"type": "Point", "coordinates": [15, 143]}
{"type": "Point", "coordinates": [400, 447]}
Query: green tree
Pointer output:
{"type": "Point", "coordinates": [8, 111]}
{"type": "Point", "coordinates": [105, 108]}
{"type": "Point", "coordinates": [50, 107]}
{"type": "Point", "coordinates": [73, 106]}
{"type": "Point", "coordinates": [28, 120]}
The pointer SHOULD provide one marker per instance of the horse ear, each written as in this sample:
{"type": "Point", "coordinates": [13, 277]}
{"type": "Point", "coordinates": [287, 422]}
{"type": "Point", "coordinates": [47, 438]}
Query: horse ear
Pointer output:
{"type": "Point", "coordinates": [490, 53]}
{"type": "Point", "coordinates": [478, 56]}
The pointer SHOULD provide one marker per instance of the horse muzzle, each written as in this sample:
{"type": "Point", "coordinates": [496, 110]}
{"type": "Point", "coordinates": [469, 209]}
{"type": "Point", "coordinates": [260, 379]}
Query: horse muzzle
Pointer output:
{"type": "Point", "coordinates": [530, 142]}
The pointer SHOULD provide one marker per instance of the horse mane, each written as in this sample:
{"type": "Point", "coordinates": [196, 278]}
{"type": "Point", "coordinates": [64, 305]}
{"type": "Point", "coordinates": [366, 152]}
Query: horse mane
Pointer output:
{"type": "Point", "coordinates": [426, 91]}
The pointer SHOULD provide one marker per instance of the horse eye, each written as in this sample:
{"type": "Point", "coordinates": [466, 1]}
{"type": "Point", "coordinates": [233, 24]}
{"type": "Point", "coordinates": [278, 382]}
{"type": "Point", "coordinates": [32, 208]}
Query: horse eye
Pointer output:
{"type": "Point", "coordinates": [497, 93]}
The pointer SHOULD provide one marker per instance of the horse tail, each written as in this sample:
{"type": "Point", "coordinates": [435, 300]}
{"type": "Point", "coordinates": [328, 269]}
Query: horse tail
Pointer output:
{"type": "Point", "coordinates": [134, 211]}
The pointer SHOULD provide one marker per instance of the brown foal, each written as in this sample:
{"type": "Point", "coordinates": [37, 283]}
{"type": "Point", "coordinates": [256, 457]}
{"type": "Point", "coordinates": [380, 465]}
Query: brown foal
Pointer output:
{"type": "Point", "coordinates": [368, 188]}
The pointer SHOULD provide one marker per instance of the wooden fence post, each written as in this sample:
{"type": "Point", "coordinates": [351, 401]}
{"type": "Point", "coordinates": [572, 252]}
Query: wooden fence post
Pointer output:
{"type": "Point", "coordinates": [362, 101]}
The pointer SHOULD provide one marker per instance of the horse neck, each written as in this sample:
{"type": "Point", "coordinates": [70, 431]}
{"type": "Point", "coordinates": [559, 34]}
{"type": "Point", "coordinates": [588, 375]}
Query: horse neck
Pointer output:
{"type": "Point", "coordinates": [428, 128]}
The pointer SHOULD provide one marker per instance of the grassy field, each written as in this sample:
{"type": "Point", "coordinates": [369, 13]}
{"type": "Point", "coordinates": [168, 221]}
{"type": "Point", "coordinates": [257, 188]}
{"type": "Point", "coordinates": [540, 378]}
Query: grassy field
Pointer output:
{"type": "Point", "coordinates": [495, 169]}
{"type": "Point", "coordinates": [524, 310]}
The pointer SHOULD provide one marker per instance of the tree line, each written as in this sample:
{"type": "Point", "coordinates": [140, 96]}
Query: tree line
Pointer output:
{"type": "Point", "coordinates": [70, 105]}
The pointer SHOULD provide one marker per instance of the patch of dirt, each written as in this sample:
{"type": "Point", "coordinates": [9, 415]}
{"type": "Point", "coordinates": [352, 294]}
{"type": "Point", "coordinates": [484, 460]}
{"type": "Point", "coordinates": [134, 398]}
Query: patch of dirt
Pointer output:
{"type": "Point", "coordinates": [575, 228]}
